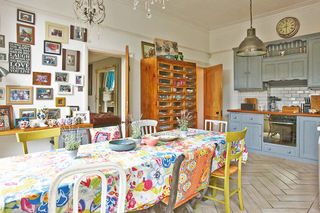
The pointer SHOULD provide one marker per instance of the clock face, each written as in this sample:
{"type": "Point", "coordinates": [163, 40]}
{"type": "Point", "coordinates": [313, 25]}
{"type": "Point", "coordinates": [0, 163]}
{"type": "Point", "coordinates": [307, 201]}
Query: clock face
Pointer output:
{"type": "Point", "coordinates": [288, 27]}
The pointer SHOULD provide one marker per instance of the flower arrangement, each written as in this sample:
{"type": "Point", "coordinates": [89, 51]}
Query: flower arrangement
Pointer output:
{"type": "Point", "coordinates": [72, 145]}
{"type": "Point", "coordinates": [183, 121]}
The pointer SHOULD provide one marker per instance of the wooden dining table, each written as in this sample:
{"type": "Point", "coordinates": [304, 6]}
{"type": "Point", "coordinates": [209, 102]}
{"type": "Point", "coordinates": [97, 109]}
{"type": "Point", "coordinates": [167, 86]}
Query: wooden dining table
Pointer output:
{"type": "Point", "coordinates": [25, 179]}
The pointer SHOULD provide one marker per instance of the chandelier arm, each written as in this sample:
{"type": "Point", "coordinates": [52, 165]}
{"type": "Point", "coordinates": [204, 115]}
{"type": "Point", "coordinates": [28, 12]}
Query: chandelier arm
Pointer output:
{"type": "Point", "coordinates": [250, 13]}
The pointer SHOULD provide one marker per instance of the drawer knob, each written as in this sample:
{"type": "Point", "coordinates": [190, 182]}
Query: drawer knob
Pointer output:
{"type": "Point", "coordinates": [251, 119]}
{"type": "Point", "coordinates": [289, 152]}
{"type": "Point", "coordinates": [269, 149]}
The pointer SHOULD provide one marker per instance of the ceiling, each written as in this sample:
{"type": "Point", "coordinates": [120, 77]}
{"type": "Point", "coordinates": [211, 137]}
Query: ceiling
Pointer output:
{"type": "Point", "coordinates": [212, 14]}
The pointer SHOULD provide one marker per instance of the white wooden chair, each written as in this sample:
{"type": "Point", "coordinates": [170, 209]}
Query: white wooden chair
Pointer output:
{"type": "Point", "coordinates": [85, 171]}
{"type": "Point", "coordinates": [146, 126]}
{"type": "Point", "coordinates": [216, 125]}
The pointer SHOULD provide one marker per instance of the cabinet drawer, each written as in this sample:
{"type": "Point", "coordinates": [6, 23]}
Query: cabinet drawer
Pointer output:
{"type": "Point", "coordinates": [288, 151]}
{"type": "Point", "coordinates": [252, 118]}
{"type": "Point", "coordinates": [235, 117]}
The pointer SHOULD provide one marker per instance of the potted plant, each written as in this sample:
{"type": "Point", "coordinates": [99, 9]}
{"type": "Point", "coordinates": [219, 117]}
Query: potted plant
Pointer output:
{"type": "Point", "coordinates": [183, 122]}
{"type": "Point", "coordinates": [72, 146]}
{"type": "Point", "coordinates": [136, 133]}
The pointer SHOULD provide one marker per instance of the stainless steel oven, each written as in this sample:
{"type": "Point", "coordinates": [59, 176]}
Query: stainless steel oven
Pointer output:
{"type": "Point", "coordinates": [280, 129]}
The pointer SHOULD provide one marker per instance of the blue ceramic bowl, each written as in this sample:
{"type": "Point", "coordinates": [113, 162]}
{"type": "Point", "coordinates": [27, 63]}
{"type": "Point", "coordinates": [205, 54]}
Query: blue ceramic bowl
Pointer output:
{"type": "Point", "coordinates": [122, 145]}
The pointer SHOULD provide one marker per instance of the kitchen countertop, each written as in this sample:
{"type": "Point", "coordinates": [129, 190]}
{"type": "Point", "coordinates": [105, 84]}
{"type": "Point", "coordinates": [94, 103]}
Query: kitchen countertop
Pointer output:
{"type": "Point", "coordinates": [274, 113]}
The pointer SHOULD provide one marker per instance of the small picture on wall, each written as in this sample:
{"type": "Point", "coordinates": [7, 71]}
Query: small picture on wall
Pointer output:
{"type": "Point", "coordinates": [84, 115]}
{"type": "Point", "coordinates": [25, 34]}
{"type": "Point", "coordinates": [73, 109]}
{"type": "Point", "coordinates": [65, 89]}
{"type": "Point", "coordinates": [54, 113]}
{"type": "Point", "coordinates": [71, 60]}
{"type": "Point", "coordinates": [60, 101]}
{"type": "Point", "coordinates": [2, 93]}
{"type": "Point", "coordinates": [30, 113]}
{"type": "Point", "coordinates": [49, 60]}
{"type": "Point", "coordinates": [78, 33]}
{"type": "Point", "coordinates": [57, 32]}
{"type": "Point", "coordinates": [19, 95]}
{"type": "Point", "coordinates": [79, 80]}
{"type": "Point", "coordinates": [80, 88]}
{"type": "Point", "coordinates": [148, 49]}
{"type": "Point", "coordinates": [44, 93]}
{"type": "Point", "coordinates": [18, 121]}
{"type": "Point", "coordinates": [41, 78]}
{"type": "Point", "coordinates": [26, 17]}
{"type": "Point", "coordinates": [62, 77]}
{"type": "Point", "coordinates": [2, 41]}
{"type": "Point", "coordinates": [3, 57]}
{"type": "Point", "coordinates": [6, 117]}
{"type": "Point", "coordinates": [166, 48]}
{"type": "Point", "coordinates": [51, 47]}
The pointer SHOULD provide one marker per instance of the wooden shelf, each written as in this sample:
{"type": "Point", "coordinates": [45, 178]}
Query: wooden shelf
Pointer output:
{"type": "Point", "coordinates": [16, 130]}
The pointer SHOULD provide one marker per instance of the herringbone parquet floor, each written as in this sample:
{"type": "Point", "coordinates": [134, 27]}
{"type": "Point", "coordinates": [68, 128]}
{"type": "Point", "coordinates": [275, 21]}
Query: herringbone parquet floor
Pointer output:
{"type": "Point", "coordinates": [273, 185]}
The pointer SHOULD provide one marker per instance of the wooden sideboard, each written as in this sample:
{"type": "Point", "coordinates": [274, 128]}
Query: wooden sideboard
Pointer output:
{"type": "Point", "coordinates": [167, 88]}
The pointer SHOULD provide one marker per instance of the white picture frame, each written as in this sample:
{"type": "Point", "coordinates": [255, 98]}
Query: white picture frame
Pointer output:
{"type": "Point", "coordinates": [65, 89]}
{"type": "Point", "coordinates": [79, 80]}
{"type": "Point", "coordinates": [84, 115]}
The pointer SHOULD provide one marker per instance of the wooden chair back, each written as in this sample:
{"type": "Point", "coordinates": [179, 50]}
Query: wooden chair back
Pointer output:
{"type": "Point", "coordinates": [216, 125]}
{"type": "Point", "coordinates": [24, 137]}
{"type": "Point", "coordinates": [94, 171]}
{"type": "Point", "coordinates": [235, 147]}
{"type": "Point", "coordinates": [146, 126]}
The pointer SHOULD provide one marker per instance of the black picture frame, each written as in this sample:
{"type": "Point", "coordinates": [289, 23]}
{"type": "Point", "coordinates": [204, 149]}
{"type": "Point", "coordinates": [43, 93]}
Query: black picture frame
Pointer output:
{"type": "Point", "coordinates": [45, 42]}
{"type": "Point", "coordinates": [19, 11]}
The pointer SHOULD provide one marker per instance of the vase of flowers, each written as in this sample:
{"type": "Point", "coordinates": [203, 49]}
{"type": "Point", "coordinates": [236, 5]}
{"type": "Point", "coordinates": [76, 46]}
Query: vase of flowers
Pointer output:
{"type": "Point", "coordinates": [136, 131]}
{"type": "Point", "coordinates": [72, 141]}
{"type": "Point", "coordinates": [183, 122]}
{"type": "Point", "coordinates": [42, 117]}
{"type": "Point", "coordinates": [72, 147]}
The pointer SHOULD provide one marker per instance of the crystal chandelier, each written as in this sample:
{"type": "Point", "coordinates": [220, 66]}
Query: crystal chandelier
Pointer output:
{"type": "Point", "coordinates": [90, 11]}
{"type": "Point", "coordinates": [148, 4]}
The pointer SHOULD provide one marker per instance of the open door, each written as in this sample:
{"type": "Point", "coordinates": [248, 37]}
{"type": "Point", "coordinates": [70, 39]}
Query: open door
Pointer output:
{"type": "Point", "coordinates": [127, 91]}
{"type": "Point", "coordinates": [213, 92]}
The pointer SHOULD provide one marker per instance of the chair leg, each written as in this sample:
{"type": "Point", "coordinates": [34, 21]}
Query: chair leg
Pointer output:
{"type": "Point", "coordinates": [214, 183]}
{"type": "Point", "coordinates": [227, 195]}
{"type": "Point", "coordinates": [240, 191]}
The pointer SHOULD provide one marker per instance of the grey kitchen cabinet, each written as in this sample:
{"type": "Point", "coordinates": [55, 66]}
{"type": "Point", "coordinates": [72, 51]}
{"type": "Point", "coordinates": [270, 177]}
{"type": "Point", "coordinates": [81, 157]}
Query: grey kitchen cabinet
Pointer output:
{"type": "Point", "coordinates": [308, 137]}
{"type": "Point", "coordinates": [314, 63]}
{"type": "Point", "coordinates": [247, 72]}
{"type": "Point", "coordinates": [291, 67]}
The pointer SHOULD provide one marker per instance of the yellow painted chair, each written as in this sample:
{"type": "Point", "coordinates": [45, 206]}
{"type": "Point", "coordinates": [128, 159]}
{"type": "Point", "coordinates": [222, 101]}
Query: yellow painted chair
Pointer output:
{"type": "Point", "coordinates": [24, 137]}
{"type": "Point", "coordinates": [233, 163]}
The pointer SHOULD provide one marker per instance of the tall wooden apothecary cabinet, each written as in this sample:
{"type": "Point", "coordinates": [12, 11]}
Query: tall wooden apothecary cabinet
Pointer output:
{"type": "Point", "coordinates": [167, 88]}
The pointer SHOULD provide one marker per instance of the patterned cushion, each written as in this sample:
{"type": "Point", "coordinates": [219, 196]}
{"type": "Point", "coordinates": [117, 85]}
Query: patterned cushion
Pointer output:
{"type": "Point", "coordinates": [105, 134]}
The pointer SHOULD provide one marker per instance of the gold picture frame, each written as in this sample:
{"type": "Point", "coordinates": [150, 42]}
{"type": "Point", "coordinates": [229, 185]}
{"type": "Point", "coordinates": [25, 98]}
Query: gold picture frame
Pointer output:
{"type": "Point", "coordinates": [19, 95]}
{"type": "Point", "coordinates": [57, 32]}
{"type": "Point", "coordinates": [30, 113]}
{"type": "Point", "coordinates": [60, 101]}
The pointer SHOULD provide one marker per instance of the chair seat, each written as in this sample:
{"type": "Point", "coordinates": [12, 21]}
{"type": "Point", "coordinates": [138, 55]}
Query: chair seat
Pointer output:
{"type": "Point", "coordinates": [220, 172]}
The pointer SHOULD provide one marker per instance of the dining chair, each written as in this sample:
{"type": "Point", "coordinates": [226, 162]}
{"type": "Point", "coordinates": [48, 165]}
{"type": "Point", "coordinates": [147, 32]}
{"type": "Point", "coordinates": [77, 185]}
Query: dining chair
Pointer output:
{"type": "Point", "coordinates": [90, 170]}
{"type": "Point", "coordinates": [146, 126]}
{"type": "Point", "coordinates": [216, 125]}
{"type": "Point", "coordinates": [25, 137]}
{"type": "Point", "coordinates": [189, 181]}
{"type": "Point", "coordinates": [233, 164]}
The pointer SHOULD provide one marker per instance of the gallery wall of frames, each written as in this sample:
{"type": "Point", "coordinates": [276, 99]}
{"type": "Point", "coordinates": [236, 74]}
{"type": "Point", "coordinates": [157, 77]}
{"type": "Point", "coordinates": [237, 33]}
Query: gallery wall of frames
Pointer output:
{"type": "Point", "coordinates": [43, 58]}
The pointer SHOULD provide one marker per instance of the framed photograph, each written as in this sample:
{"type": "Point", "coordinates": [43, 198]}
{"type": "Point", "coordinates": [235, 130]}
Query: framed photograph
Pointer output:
{"type": "Point", "coordinates": [49, 60]}
{"type": "Point", "coordinates": [79, 80]}
{"type": "Point", "coordinates": [19, 95]}
{"type": "Point", "coordinates": [148, 49]}
{"type": "Point", "coordinates": [26, 17]}
{"type": "Point", "coordinates": [6, 117]}
{"type": "Point", "coordinates": [65, 89]}
{"type": "Point", "coordinates": [71, 60]}
{"type": "Point", "coordinates": [30, 113]}
{"type": "Point", "coordinates": [25, 34]}
{"type": "Point", "coordinates": [60, 101]}
{"type": "Point", "coordinates": [78, 33]}
{"type": "Point", "coordinates": [80, 88]}
{"type": "Point", "coordinates": [19, 58]}
{"type": "Point", "coordinates": [2, 93]}
{"type": "Point", "coordinates": [61, 77]}
{"type": "Point", "coordinates": [166, 48]}
{"type": "Point", "coordinates": [73, 109]}
{"type": "Point", "coordinates": [41, 78]}
{"type": "Point", "coordinates": [57, 32]}
{"type": "Point", "coordinates": [84, 115]}
{"type": "Point", "coordinates": [2, 41]}
{"type": "Point", "coordinates": [54, 113]}
{"type": "Point", "coordinates": [3, 57]}
{"type": "Point", "coordinates": [17, 121]}
{"type": "Point", "coordinates": [44, 93]}
{"type": "Point", "coordinates": [50, 47]}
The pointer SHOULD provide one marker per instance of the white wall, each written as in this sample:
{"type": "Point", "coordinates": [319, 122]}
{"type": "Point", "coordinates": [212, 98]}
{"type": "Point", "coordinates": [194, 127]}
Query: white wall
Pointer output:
{"type": "Point", "coordinates": [222, 41]}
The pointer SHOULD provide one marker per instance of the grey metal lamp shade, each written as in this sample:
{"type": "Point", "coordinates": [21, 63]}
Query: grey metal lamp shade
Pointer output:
{"type": "Point", "coordinates": [251, 45]}
{"type": "Point", "coordinates": [3, 72]}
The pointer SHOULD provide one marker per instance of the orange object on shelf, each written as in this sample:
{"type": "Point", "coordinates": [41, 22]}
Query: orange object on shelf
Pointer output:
{"type": "Point", "coordinates": [291, 109]}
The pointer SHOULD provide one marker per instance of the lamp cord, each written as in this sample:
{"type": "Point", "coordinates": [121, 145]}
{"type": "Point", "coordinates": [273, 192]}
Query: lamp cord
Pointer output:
{"type": "Point", "coordinates": [250, 13]}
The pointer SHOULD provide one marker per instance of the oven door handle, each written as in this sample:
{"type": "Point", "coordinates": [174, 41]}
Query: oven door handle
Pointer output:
{"type": "Point", "coordinates": [283, 123]}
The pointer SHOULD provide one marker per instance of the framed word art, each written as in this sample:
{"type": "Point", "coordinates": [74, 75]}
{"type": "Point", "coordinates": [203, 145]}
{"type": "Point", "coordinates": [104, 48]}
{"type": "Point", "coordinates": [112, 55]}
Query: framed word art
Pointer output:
{"type": "Point", "coordinates": [19, 58]}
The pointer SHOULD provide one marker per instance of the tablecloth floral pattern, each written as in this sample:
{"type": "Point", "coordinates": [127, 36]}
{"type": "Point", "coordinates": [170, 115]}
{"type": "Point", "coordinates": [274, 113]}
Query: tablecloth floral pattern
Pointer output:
{"type": "Point", "coordinates": [25, 180]}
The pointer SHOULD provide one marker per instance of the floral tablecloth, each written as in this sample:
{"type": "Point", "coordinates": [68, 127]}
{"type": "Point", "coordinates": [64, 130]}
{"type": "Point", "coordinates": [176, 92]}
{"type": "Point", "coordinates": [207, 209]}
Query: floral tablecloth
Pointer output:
{"type": "Point", "coordinates": [25, 180]}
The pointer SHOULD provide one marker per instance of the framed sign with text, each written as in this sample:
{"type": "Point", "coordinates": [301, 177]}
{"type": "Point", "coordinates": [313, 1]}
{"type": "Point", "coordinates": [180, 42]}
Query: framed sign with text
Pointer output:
{"type": "Point", "coordinates": [19, 58]}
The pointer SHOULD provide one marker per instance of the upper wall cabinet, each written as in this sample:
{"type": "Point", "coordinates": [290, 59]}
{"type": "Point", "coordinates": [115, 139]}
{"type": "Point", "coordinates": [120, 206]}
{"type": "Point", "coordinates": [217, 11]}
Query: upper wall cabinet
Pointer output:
{"type": "Point", "coordinates": [247, 73]}
{"type": "Point", "coordinates": [314, 63]}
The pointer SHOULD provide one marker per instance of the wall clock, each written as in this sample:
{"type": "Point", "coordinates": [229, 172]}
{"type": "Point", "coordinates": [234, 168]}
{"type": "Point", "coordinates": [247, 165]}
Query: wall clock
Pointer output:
{"type": "Point", "coordinates": [288, 27]}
